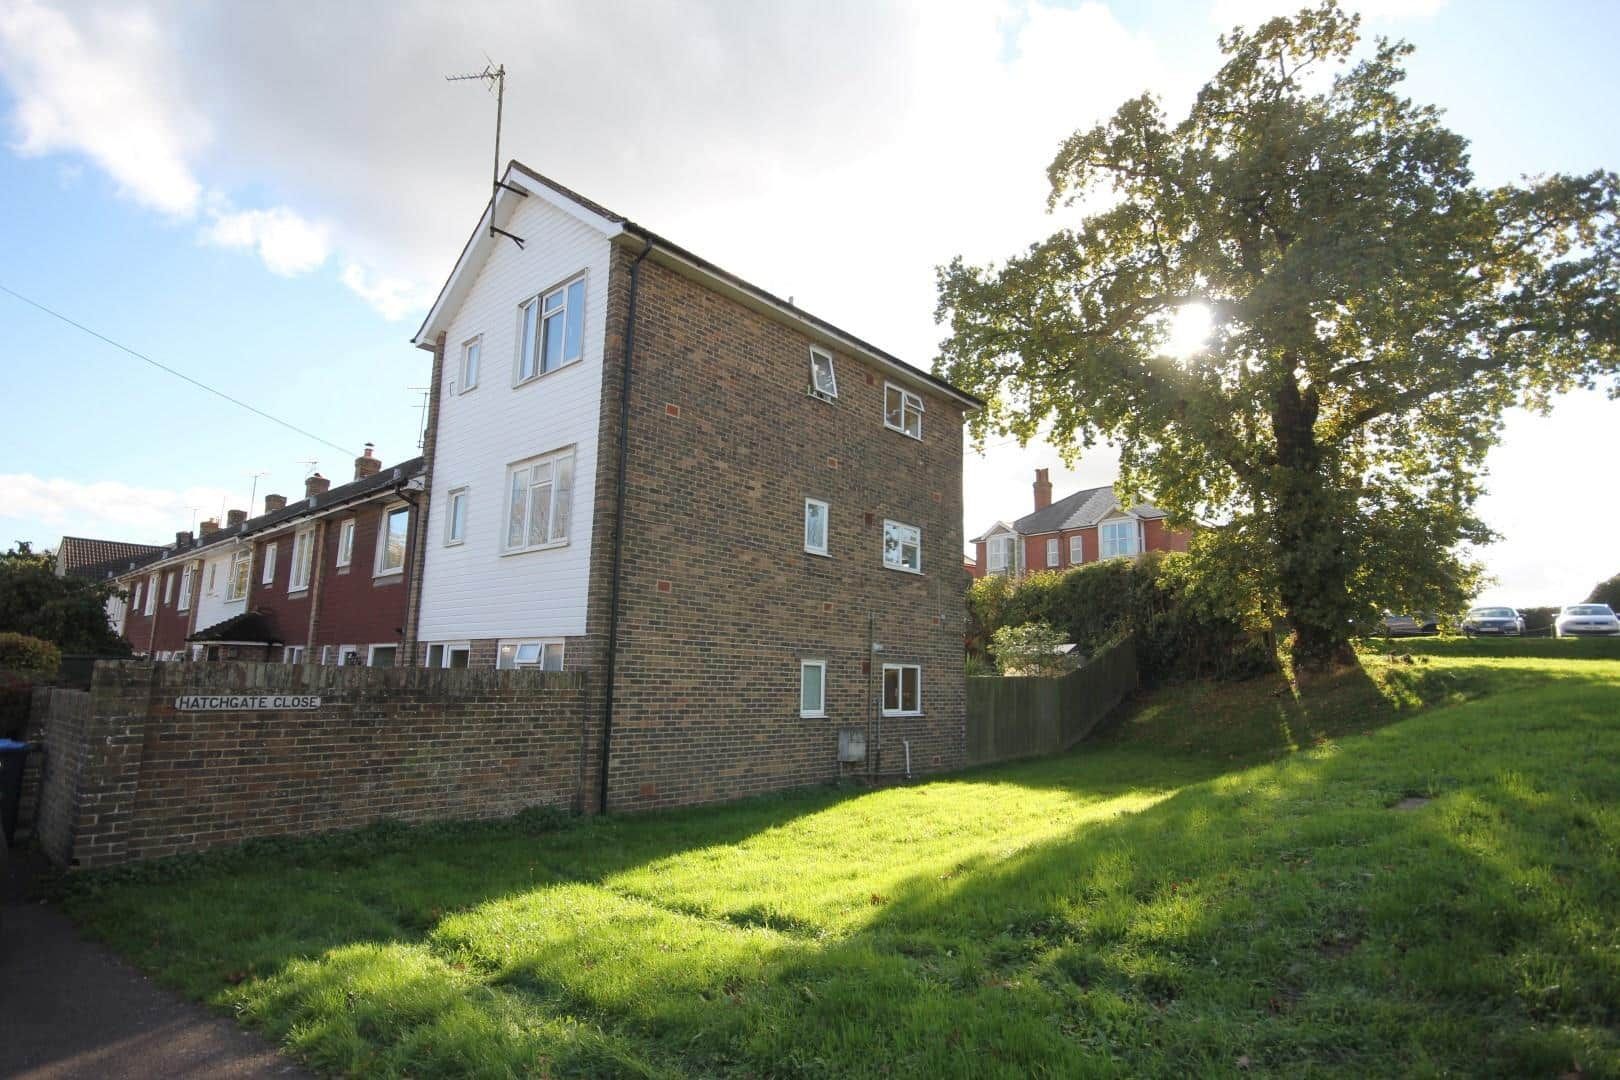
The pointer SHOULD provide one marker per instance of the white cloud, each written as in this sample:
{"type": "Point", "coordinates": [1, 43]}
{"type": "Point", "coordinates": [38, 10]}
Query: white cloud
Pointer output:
{"type": "Point", "coordinates": [393, 297]}
{"type": "Point", "coordinates": [288, 244]}
{"type": "Point", "coordinates": [104, 509]}
{"type": "Point", "coordinates": [1251, 13]}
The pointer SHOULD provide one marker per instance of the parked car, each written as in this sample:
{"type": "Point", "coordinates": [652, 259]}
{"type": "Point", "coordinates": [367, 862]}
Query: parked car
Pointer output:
{"type": "Point", "coordinates": [1410, 625]}
{"type": "Point", "coordinates": [1576, 620]}
{"type": "Point", "coordinates": [1496, 621]}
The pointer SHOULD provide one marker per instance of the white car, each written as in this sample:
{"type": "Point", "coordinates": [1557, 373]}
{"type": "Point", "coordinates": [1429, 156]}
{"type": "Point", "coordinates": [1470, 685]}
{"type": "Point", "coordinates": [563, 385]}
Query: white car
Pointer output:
{"type": "Point", "coordinates": [1579, 620]}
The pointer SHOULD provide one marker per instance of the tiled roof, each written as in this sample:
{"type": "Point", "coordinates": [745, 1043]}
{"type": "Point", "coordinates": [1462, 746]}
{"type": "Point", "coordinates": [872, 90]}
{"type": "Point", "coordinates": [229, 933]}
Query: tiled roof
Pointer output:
{"type": "Point", "coordinates": [250, 626]}
{"type": "Point", "coordinates": [1081, 510]}
{"type": "Point", "coordinates": [80, 556]}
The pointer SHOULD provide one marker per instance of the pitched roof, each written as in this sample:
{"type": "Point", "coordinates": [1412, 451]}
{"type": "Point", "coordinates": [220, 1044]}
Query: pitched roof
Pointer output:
{"type": "Point", "coordinates": [80, 556]}
{"type": "Point", "coordinates": [1081, 510]}
{"type": "Point", "coordinates": [250, 626]}
{"type": "Point", "coordinates": [618, 225]}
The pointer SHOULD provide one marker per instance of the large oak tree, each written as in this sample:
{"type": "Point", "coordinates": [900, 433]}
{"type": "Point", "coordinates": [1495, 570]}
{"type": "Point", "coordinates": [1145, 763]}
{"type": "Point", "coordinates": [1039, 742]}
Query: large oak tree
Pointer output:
{"type": "Point", "coordinates": [1374, 310]}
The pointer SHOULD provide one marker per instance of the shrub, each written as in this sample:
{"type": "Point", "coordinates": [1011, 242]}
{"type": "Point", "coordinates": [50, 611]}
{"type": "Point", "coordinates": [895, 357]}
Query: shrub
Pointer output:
{"type": "Point", "coordinates": [1032, 649]}
{"type": "Point", "coordinates": [28, 655]}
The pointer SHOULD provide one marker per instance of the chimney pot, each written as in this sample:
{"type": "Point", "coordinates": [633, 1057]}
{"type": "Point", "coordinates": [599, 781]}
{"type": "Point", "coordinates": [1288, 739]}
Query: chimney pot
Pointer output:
{"type": "Point", "coordinates": [366, 465]}
{"type": "Point", "coordinates": [182, 538]}
{"type": "Point", "coordinates": [274, 502]}
{"type": "Point", "coordinates": [316, 485]}
{"type": "Point", "coordinates": [1043, 489]}
{"type": "Point", "coordinates": [233, 518]}
{"type": "Point", "coordinates": [211, 525]}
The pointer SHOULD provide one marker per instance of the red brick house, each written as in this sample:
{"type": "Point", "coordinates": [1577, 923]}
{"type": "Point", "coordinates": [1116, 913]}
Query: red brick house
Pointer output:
{"type": "Point", "coordinates": [744, 521]}
{"type": "Point", "coordinates": [1084, 527]}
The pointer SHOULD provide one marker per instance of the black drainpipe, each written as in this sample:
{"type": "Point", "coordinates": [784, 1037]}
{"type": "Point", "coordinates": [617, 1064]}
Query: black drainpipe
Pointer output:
{"type": "Point", "coordinates": [618, 525]}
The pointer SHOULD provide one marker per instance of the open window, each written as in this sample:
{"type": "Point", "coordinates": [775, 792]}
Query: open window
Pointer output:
{"type": "Point", "coordinates": [823, 379]}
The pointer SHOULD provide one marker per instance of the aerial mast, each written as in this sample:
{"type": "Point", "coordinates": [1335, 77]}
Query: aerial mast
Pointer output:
{"type": "Point", "coordinates": [494, 78]}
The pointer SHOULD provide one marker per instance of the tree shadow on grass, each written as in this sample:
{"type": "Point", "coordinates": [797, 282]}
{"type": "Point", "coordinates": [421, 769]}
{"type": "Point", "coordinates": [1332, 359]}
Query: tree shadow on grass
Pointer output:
{"type": "Point", "coordinates": [1281, 919]}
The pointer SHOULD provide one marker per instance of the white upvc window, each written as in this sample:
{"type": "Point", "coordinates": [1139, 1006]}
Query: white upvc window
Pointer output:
{"type": "Point", "coordinates": [902, 547]}
{"type": "Point", "coordinates": [298, 569]}
{"type": "Point", "coordinates": [450, 654]}
{"type": "Point", "coordinates": [471, 352]}
{"type": "Point", "coordinates": [1116, 539]}
{"type": "Point", "coordinates": [455, 516]}
{"type": "Point", "coordinates": [545, 655]}
{"type": "Point", "coordinates": [170, 580]}
{"type": "Point", "coordinates": [815, 526]}
{"type": "Point", "coordinates": [241, 567]}
{"type": "Point", "coordinates": [1077, 549]}
{"type": "Point", "coordinates": [1053, 552]}
{"type": "Point", "coordinates": [540, 495]}
{"type": "Point", "coordinates": [902, 690]}
{"type": "Point", "coordinates": [998, 554]}
{"type": "Point", "coordinates": [292, 654]}
{"type": "Point", "coordinates": [345, 548]}
{"type": "Point", "coordinates": [348, 655]}
{"type": "Point", "coordinates": [392, 533]}
{"type": "Point", "coordinates": [382, 655]}
{"type": "Point", "coordinates": [326, 655]}
{"type": "Point", "coordinates": [902, 410]}
{"type": "Point", "coordinates": [268, 576]}
{"type": "Point", "coordinates": [812, 689]}
{"type": "Point", "coordinates": [551, 330]}
{"type": "Point", "coordinates": [213, 576]}
{"type": "Point", "coordinates": [185, 587]}
{"type": "Point", "coordinates": [151, 594]}
{"type": "Point", "coordinates": [823, 379]}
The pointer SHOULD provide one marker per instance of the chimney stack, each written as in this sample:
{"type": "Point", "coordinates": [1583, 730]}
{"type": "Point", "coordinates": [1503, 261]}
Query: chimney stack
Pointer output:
{"type": "Point", "coordinates": [233, 518]}
{"type": "Point", "coordinates": [211, 525]}
{"type": "Point", "coordinates": [316, 485]}
{"type": "Point", "coordinates": [273, 503]}
{"type": "Point", "coordinates": [365, 465]}
{"type": "Point", "coordinates": [1043, 490]}
{"type": "Point", "coordinates": [181, 539]}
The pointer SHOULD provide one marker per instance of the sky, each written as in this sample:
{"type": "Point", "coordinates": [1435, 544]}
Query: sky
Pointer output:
{"type": "Point", "coordinates": [266, 199]}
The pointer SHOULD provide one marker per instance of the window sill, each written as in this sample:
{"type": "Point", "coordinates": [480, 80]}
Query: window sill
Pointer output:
{"type": "Point", "coordinates": [466, 389]}
{"type": "Point", "coordinates": [821, 395]}
{"type": "Point", "coordinates": [538, 547]}
{"type": "Point", "coordinates": [454, 543]}
{"type": "Point", "coordinates": [395, 572]}
{"type": "Point", "coordinates": [298, 594]}
{"type": "Point", "coordinates": [818, 554]}
{"type": "Point", "coordinates": [901, 715]}
{"type": "Point", "coordinates": [812, 716]}
{"type": "Point", "coordinates": [903, 569]}
{"type": "Point", "coordinates": [901, 431]}
{"type": "Point", "coordinates": [537, 376]}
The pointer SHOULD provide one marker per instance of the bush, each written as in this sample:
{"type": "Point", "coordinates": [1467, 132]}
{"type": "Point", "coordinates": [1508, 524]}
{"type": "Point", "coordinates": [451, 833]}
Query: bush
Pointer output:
{"type": "Point", "coordinates": [28, 655]}
{"type": "Point", "coordinates": [1031, 649]}
{"type": "Point", "coordinates": [1184, 627]}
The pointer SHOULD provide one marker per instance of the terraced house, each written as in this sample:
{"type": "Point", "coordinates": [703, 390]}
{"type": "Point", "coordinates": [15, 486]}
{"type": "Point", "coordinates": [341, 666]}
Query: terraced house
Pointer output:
{"type": "Point", "coordinates": [744, 521]}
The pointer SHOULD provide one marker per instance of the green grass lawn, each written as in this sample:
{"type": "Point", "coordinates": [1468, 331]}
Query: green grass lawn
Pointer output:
{"type": "Point", "coordinates": [1218, 885]}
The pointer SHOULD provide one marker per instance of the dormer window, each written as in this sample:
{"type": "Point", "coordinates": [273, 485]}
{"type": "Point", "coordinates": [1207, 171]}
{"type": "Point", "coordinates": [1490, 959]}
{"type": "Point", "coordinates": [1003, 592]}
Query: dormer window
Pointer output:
{"type": "Point", "coordinates": [902, 410]}
{"type": "Point", "coordinates": [823, 380]}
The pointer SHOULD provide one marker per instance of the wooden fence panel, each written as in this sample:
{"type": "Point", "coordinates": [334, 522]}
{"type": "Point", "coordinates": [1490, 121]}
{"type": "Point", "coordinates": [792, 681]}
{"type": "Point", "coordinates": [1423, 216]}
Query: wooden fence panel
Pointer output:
{"type": "Point", "coordinates": [1026, 716]}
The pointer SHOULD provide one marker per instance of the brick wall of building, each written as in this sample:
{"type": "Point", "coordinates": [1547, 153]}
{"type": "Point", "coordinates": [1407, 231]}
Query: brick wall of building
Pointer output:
{"type": "Point", "coordinates": [288, 612]}
{"type": "Point", "coordinates": [131, 777]}
{"type": "Point", "coordinates": [720, 601]}
{"type": "Point", "coordinates": [357, 606]}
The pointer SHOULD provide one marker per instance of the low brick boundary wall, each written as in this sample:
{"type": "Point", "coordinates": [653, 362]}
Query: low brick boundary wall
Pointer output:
{"type": "Point", "coordinates": [130, 776]}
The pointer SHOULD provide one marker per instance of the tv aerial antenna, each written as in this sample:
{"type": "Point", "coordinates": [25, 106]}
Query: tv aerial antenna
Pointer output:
{"type": "Point", "coordinates": [421, 423]}
{"type": "Point", "coordinates": [253, 491]}
{"type": "Point", "coordinates": [309, 466]}
{"type": "Point", "coordinates": [494, 78]}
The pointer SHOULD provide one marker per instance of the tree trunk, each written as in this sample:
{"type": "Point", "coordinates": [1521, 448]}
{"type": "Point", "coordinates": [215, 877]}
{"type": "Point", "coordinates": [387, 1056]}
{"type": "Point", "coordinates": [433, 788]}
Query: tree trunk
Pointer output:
{"type": "Point", "coordinates": [1313, 566]}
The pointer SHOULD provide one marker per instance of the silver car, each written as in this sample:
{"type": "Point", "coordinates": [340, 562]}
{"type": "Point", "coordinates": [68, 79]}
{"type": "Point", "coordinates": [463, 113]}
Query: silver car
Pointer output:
{"type": "Point", "coordinates": [1495, 621]}
{"type": "Point", "coordinates": [1580, 620]}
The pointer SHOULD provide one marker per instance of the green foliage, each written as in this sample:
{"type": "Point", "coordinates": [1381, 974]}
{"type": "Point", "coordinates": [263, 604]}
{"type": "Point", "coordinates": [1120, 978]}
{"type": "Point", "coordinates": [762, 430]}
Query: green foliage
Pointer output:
{"type": "Point", "coordinates": [1187, 623]}
{"type": "Point", "coordinates": [28, 655]}
{"type": "Point", "coordinates": [1374, 312]}
{"type": "Point", "coordinates": [1606, 592]}
{"type": "Point", "coordinates": [69, 612]}
{"type": "Point", "coordinates": [1219, 888]}
{"type": "Point", "coordinates": [1031, 649]}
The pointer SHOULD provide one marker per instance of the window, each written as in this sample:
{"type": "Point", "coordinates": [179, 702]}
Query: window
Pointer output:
{"type": "Point", "coordinates": [1077, 549]}
{"type": "Point", "coordinates": [823, 380]}
{"type": "Point", "coordinates": [1117, 538]}
{"type": "Point", "coordinates": [470, 351]}
{"type": "Point", "coordinates": [812, 688]}
{"type": "Point", "coordinates": [545, 655]}
{"type": "Point", "coordinates": [185, 588]}
{"type": "Point", "coordinates": [541, 492]}
{"type": "Point", "coordinates": [448, 656]}
{"type": "Point", "coordinates": [135, 597]}
{"type": "Point", "coordinates": [999, 553]}
{"type": "Point", "coordinates": [241, 567]}
{"type": "Point", "coordinates": [382, 656]}
{"type": "Point", "coordinates": [902, 410]}
{"type": "Point", "coordinates": [326, 654]}
{"type": "Point", "coordinates": [551, 330]}
{"type": "Point", "coordinates": [348, 655]}
{"type": "Point", "coordinates": [815, 526]}
{"type": "Point", "coordinates": [345, 551]}
{"type": "Point", "coordinates": [269, 574]}
{"type": "Point", "coordinates": [455, 517]}
{"type": "Point", "coordinates": [902, 547]}
{"type": "Point", "coordinates": [396, 523]}
{"type": "Point", "coordinates": [151, 593]}
{"type": "Point", "coordinates": [902, 690]}
{"type": "Point", "coordinates": [298, 572]}
{"type": "Point", "coordinates": [293, 654]}
{"type": "Point", "coordinates": [169, 581]}
{"type": "Point", "coordinates": [213, 570]}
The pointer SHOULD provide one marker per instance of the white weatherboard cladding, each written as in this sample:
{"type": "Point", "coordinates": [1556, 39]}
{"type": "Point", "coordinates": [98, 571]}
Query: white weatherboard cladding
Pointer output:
{"type": "Point", "coordinates": [473, 590]}
{"type": "Point", "coordinates": [212, 607]}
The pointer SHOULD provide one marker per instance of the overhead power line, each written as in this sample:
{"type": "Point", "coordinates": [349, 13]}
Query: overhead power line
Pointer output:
{"type": "Point", "coordinates": [177, 374]}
